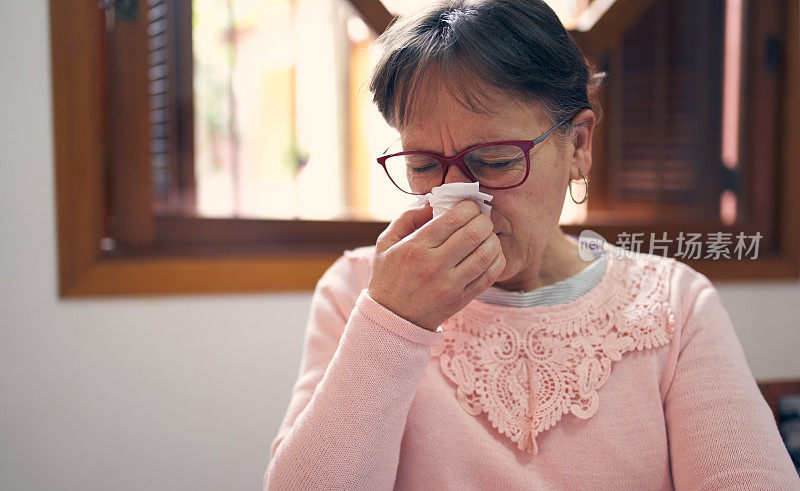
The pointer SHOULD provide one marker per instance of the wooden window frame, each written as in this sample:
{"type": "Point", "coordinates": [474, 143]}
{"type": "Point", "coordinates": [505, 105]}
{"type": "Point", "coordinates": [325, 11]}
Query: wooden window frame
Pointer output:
{"type": "Point", "coordinates": [179, 254]}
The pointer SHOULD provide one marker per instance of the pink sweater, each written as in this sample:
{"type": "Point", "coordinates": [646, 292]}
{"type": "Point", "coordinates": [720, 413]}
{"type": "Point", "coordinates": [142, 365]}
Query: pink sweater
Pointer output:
{"type": "Point", "coordinates": [639, 384]}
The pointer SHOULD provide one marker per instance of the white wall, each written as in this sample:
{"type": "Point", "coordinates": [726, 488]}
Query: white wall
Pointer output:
{"type": "Point", "coordinates": [168, 393]}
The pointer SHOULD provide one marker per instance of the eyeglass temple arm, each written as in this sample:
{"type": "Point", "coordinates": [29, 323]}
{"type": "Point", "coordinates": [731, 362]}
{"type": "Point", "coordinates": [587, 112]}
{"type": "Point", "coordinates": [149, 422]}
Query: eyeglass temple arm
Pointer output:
{"type": "Point", "coordinates": [544, 136]}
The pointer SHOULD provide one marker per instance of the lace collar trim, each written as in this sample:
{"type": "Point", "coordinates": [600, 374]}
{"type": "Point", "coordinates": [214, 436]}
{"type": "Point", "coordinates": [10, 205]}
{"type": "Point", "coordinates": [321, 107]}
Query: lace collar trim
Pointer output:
{"type": "Point", "coordinates": [527, 367]}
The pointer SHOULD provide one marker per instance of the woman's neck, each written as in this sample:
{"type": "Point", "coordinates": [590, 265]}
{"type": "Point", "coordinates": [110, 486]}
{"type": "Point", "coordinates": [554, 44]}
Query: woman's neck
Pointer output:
{"type": "Point", "coordinates": [559, 261]}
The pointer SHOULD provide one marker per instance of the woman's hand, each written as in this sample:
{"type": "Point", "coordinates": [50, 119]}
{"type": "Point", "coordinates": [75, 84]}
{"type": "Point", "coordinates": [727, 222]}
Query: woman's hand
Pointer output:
{"type": "Point", "coordinates": [427, 270]}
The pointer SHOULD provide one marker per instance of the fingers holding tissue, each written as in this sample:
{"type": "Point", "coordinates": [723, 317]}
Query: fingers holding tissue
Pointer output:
{"type": "Point", "coordinates": [444, 197]}
{"type": "Point", "coordinates": [425, 270]}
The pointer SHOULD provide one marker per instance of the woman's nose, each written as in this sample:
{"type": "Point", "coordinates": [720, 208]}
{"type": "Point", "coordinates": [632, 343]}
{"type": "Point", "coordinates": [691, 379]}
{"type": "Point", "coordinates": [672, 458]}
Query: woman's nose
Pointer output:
{"type": "Point", "coordinates": [454, 174]}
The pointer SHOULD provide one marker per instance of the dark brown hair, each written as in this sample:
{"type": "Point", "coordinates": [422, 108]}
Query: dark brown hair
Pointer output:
{"type": "Point", "coordinates": [518, 46]}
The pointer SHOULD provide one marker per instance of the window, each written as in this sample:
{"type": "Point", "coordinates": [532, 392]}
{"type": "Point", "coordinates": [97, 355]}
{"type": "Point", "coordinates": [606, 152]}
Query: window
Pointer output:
{"type": "Point", "coordinates": [276, 86]}
{"type": "Point", "coordinates": [692, 138]}
{"type": "Point", "coordinates": [133, 143]}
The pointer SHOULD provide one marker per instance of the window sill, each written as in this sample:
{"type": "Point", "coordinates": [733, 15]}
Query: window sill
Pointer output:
{"type": "Point", "coordinates": [254, 268]}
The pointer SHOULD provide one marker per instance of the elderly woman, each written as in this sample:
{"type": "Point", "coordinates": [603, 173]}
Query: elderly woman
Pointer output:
{"type": "Point", "coordinates": [475, 351]}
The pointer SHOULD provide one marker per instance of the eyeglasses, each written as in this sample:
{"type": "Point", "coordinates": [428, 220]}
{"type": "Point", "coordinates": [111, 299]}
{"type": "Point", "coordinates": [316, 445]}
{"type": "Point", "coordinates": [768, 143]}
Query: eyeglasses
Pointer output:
{"type": "Point", "coordinates": [495, 165]}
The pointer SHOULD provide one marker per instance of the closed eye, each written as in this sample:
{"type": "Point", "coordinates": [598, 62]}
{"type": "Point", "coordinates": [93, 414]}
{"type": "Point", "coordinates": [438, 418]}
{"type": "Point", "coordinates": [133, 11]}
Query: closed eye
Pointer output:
{"type": "Point", "coordinates": [495, 164]}
{"type": "Point", "coordinates": [499, 164]}
{"type": "Point", "coordinates": [420, 169]}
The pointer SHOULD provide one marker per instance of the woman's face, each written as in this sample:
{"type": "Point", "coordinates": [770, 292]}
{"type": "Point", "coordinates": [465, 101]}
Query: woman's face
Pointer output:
{"type": "Point", "coordinates": [525, 217]}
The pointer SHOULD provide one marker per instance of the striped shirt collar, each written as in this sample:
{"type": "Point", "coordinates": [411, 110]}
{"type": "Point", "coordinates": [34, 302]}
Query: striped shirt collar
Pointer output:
{"type": "Point", "coordinates": [564, 291]}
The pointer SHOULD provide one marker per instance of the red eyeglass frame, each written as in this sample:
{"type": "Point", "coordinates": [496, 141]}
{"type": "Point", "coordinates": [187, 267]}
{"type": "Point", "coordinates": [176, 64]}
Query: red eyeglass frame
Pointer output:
{"type": "Point", "coordinates": [458, 160]}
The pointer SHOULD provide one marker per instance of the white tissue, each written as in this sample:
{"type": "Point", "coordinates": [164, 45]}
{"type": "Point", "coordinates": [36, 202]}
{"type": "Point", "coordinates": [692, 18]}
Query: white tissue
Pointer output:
{"type": "Point", "coordinates": [444, 197]}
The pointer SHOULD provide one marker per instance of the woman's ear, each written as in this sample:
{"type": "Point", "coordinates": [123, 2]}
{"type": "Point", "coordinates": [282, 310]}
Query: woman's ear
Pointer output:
{"type": "Point", "coordinates": [583, 130]}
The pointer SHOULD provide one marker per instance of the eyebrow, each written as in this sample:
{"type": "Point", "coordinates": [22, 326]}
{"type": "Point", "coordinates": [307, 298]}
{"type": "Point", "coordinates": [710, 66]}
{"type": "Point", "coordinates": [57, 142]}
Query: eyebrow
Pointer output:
{"type": "Point", "coordinates": [481, 139]}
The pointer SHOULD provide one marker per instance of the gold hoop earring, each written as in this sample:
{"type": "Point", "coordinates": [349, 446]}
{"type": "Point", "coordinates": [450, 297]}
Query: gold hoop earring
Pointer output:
{"type": "Point", "coordinates": [585, 183]}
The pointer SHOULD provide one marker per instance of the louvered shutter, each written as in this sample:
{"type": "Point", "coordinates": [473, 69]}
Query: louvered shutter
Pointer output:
{"type": "Point", "coordinates": [158, 78]}
{"type": "Point", "coordinates": [668, 144]}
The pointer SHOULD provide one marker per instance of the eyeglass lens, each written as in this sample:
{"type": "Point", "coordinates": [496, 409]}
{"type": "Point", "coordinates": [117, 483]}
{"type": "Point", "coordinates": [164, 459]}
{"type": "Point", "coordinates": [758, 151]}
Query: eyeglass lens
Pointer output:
{"type": "Point", "coordinates": [493, 166]}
